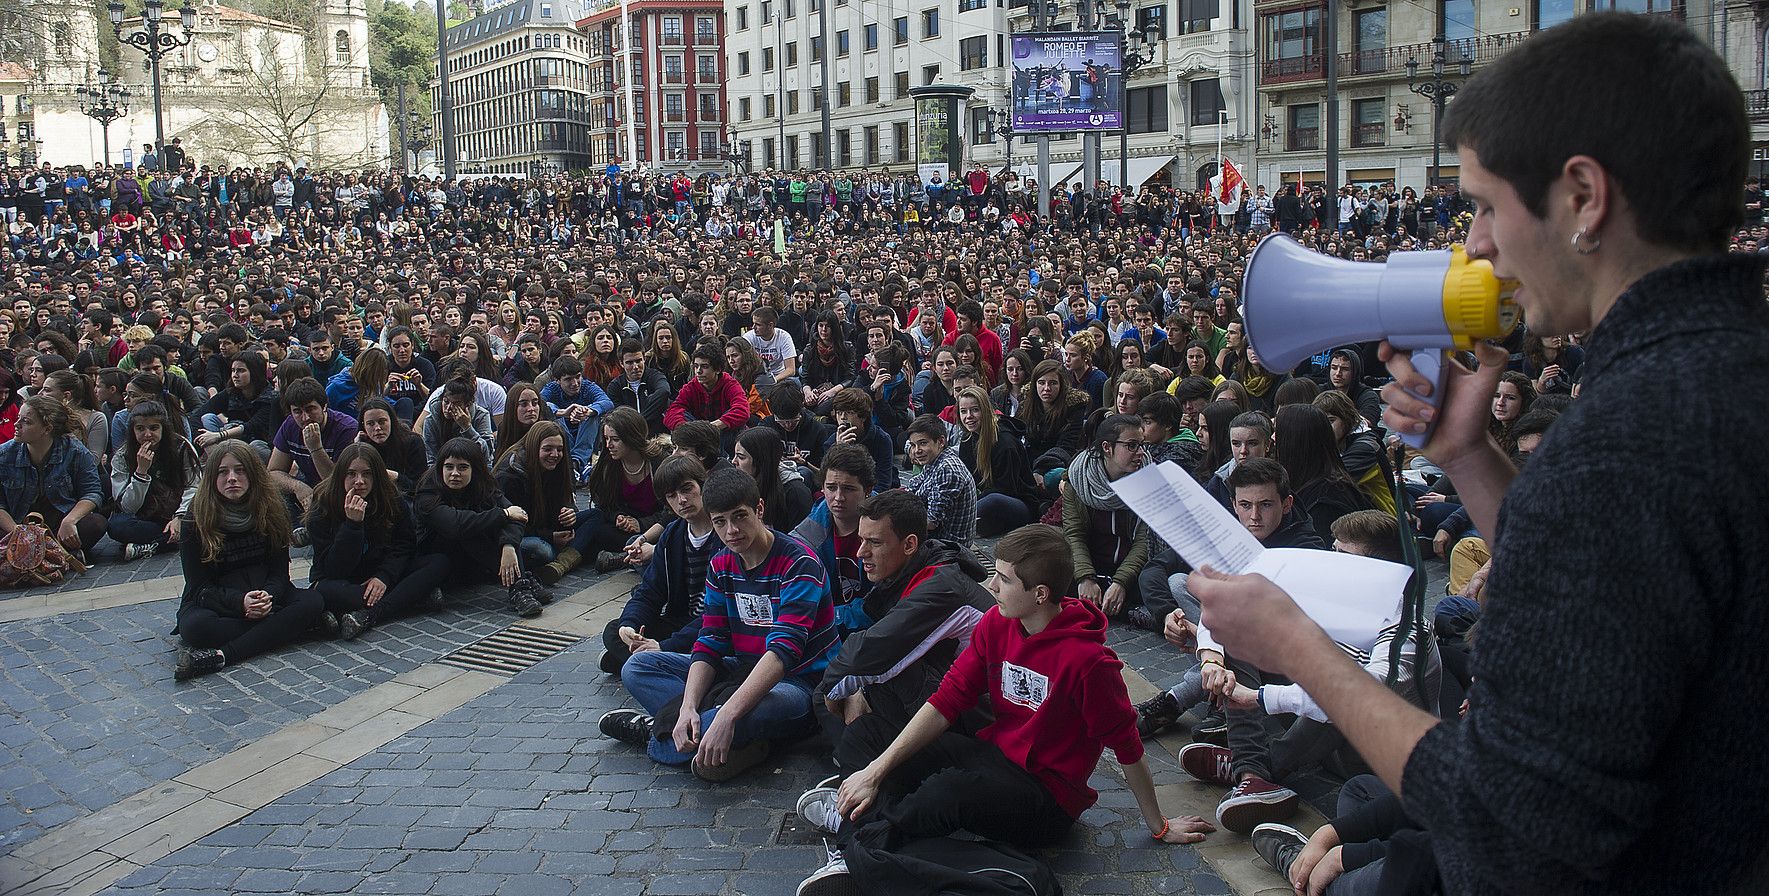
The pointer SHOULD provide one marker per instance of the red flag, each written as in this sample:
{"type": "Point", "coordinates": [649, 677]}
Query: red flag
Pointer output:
{"type": "Point", "coordinates": [1231, 182]}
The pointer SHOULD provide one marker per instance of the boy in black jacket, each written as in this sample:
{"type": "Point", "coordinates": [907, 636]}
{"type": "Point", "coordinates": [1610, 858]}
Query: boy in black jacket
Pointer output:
{"type": "Point", "coordinates": [641, 387]}
{"type": "Point", "coordinates": [663, 612]}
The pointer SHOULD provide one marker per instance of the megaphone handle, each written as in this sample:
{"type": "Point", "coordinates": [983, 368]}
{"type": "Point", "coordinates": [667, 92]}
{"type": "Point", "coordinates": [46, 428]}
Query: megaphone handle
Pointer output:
{"type": "Point", "coordinates": [1430, 363]}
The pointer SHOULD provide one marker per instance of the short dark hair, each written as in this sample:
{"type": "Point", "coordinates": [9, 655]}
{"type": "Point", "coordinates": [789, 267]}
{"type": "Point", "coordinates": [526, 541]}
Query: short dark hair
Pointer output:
{"type": "Point", "coordinates": [149, 352]}
{"type": "Point", "coordinates": [906, 510]}
{"type": "Point", "coordinates": [630, 346]}
{"type": "Point", "coordinates": [765, 315]}
{"type": "Point", "coordinates": [1612, 86]}
{"type": "Point", "coordinates": [852, 400]}
{"type": "Point", "coordinates": [676, 472]}
{"type": "Point", "coordinates": [728, 489]}
{"type": "Point", "coordinates": [1260, 471]}
{"type": "Point", "coordinates": [233, 332]}
{"type": "Point", "coordinates": [1375, 530]}
{"type": "Point", "coordinates": [927, 425]}
{"type": "Point", "coordinates": [1164, 409]}
{"type": "Point", "coordinates": [711, 352]}
{"type": "Point", "coordinates": [1114, 426]}
{"type": "Point", "coordinates": [1253, 420]}
{"type": "Point", "coordinates": [1193, 388]}
{"type": "Point", "coordinates": [786, 400]}
{"type": "Point", "coordinates": [1039, 555]}
{"type": "Point", "coordinates": [700, 437]}
{"type": "Point", "coordinates": [303, 392]}
{"type": "Point", "coordinates": [971, 309]}
{"type": "Point", "coordinates": [853, 459]}
{"type": "Point", "coordinates": [566, 365]}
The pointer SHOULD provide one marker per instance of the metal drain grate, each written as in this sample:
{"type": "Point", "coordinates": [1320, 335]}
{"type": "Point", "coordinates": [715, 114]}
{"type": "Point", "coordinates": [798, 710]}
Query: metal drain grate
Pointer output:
{"type": "Point", "coordinates": [511, 650]}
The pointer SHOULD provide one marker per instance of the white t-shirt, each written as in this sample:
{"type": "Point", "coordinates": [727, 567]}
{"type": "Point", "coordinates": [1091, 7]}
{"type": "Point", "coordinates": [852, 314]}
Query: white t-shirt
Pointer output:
{"type": "Point", "coordinates": [774, 351]}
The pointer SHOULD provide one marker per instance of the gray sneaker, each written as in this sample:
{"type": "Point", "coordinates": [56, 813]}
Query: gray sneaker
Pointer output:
{"type": "Point", "coordinates": [1278, 845]}
{"type": "Point", "coordinates": [817, 807]}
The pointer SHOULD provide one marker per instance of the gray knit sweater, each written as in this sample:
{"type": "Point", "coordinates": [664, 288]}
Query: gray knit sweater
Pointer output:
{"type": "Point", "coordinates": [1617, 737]}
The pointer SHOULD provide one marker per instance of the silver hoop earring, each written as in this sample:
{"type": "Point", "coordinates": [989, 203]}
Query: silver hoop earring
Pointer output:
{"type": "Point", "coordinates": [1594, 244]}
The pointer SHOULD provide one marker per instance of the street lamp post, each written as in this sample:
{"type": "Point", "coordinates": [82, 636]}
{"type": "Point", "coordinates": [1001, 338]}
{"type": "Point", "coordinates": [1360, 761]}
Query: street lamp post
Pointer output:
{"type": "Point", "coordinates": [5, 149]}
{"type": "Point", "coordinates": [418, 140]}
{"type": "Point", "coordinates": [1438, 91]}
{"type": "Point", "coordinates": [155, 42]}
{"type": "Point", "coordinates": [1139, 50]}
{"type": "Point", "coordinates": [1001, 123]}
{"type": "Point", "coordinates": [104, 103]}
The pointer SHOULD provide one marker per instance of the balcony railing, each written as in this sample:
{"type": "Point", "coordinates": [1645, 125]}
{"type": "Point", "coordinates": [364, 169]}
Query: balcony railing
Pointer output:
{"type": "Point", "coordinates": [706, 77]}
{"type": "Point", "coordinates": [705, 38]}
{"type": "Point", "coordinates": [1368, 134]}
{"type": "Point", "coordinates": [676, 115]}
{"type": "Point", "coordinates": [675, 77]}
{"type": "Point", "coordinates": [1390, 60]}
{"type": "Point", "coordinates": [706, 114]}
{"type": "Point", "coordinates": [672, 40]}
{"type": "Point", "coordinates": [1301, 139]}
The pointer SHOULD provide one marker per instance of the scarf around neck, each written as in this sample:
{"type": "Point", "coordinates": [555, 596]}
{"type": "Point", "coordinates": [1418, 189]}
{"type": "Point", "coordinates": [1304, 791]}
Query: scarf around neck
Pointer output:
{"type": "Point", "coordinates": [1091, 482]}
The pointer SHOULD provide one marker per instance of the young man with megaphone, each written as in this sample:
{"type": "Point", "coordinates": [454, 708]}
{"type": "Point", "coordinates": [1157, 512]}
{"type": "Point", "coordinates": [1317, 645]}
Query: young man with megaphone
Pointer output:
{"type": "Point", "coordinates": [1605, 748]}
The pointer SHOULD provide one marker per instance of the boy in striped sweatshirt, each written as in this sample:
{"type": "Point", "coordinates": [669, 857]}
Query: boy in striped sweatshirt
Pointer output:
{"type": "Point", "coordinates": [767, 633]}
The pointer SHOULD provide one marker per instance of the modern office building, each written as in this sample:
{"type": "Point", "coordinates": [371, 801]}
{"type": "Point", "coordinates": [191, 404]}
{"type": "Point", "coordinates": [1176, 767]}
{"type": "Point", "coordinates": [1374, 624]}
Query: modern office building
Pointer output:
{"type": "Point", "coordinates": [519, 76]}
{"type": "Point", "coordinates": [668, 67]}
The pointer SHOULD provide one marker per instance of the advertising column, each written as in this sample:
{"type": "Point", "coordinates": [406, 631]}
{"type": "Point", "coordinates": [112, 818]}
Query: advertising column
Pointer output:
{"type": "Point", "coordinates": [939, 134]}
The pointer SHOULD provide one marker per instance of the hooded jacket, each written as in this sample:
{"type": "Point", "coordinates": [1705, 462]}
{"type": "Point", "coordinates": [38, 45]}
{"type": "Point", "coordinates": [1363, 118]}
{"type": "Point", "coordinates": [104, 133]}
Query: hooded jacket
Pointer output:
{"type": "Point", "coordinates": [727, 401]}
{"type": "Point", "coordinates": [1368, 403]}
{"type": "Point", "coordinates": [1058, 697]}
{"type": "Point", "coordinates": [913, 626]}
{"type": "Point", "coordinates": [662, 592]}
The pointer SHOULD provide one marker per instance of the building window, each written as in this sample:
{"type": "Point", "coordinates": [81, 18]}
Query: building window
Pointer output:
{"type": "Point", "coordinates": [1305, 128]}
{"type": "Point", "coordinates": [900, 141]}
{"type": "Point", "coordinates": [930, 23]}
{"type": "Point", "coordinates": [980, 134]}
{"type": "Point", "coordinates": [791, 9]}
{"type": "Point", "coordinates": [841, 43]}
{"type": "Point", "coordinates": [674, 109]}
{"type": "Point", "coordinates": [844, 94]}
{"type": "Point", "coordinates": [900, 89]}
{"type": "Point", "coordinates": [1146, 109]}
{"type": "Point", "coordinates": [973, 53]}
{"type": "Point", "coordinates": [709, 144]}
{"type": "Point", "coordinates": [901, 24]}
{"type": "Point", "coordinates": [767, 11]}
{"type": "Point", "coordinates": [792, 152]}
{"type": "Point", "coordinates": [672, 30]}
{"type": "Point", "coordinates": [871, 140]}
{"type": "Point", "coordinates": [675, 143]}
{"type": "Point", "coordinates": [767, 59]}
{"type": "Point", "coordinates": [767, 152]}
{"type": "Point", "coordinates": [744, 108]}
{"type": "Point", "coordinates": [929, 74]}
{"type": "Point", "coordinates": [844, 148]}
{"type": "Point", "coordinates": [1368, 122]}
{"type": "Point", "coordinates": [872, 90]}
{"type": "Point", "coordinates": [768, 106]}
{"type": "Point", "coordinates": [1207, 104]}
{"type": "Point", "coordinates": [817, 158]}
{"type": "Point", "coordinates": [1548, 13]}
{"type": "Point", "coordinates": [816, 48]}
{"type": "Point", "coordinates": [1154, 18]}
{"type": "Point", "coordinates": [1458, 17]}
{"type": "Point", "coordinates": [706, 66]}
{"type": "Point", "coordinates": [705, 32]}
{"type": "Point", "coordinates": [709, 107]}
{"type": "Point", "coordinates": [1293, 44]}
{"type": "Point", "coordinates": [872, 36]}
{"type": "Point", "coordinates": [343, 46]}
{"type": "Point", "coordinates": [1371, 33]}
{"type": "Point", "coordinates": [672, 69]}
{"type": "Point", "coordinates": [743, 63]}
{"type": "Point", "coordinates": [968, 5]}
{"type": "Point", "coordinates": [814, 97]}
{"type": "Point", "coordinates": [546, 10]}
{"type": "Point", "coordinates": [792, 53]}
{"type": "Point", "coordinates": [792, 102]}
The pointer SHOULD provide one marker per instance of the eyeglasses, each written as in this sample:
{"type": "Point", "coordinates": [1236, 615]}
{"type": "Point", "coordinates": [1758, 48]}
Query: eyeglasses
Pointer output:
{"type": "Point", "coordinates": [1133, 446]}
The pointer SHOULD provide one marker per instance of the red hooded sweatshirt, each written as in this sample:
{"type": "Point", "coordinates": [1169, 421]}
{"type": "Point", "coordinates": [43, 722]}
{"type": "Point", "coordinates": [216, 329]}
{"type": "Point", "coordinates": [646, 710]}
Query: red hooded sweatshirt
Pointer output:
{"type": "Point", "coordinates": [1058, 697]}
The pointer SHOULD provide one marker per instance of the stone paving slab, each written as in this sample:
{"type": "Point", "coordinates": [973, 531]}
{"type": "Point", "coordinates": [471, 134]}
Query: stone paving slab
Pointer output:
{"type": "Point", "coordinates": [96, 717]}
{"type": "Point", "coordinates": [517, 792]}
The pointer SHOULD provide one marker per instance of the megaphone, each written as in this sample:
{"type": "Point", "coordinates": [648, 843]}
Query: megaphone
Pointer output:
{"type": "Point", "coordinates": [1297, 302]}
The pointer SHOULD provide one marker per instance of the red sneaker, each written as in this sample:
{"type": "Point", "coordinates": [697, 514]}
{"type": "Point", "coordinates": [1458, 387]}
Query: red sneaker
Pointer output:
{"type": "Point", "coordinates": [1254, 802]}
{"type": "Point", "coordinates": [1208, 763]}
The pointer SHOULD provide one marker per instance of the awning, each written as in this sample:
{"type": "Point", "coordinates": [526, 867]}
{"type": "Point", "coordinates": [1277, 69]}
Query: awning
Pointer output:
{"type": "Point", "coordinates": [1140, 169]}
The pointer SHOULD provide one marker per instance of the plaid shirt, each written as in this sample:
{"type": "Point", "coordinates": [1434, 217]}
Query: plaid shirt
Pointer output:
{"type": "Point", "coordinates": [951, 495]}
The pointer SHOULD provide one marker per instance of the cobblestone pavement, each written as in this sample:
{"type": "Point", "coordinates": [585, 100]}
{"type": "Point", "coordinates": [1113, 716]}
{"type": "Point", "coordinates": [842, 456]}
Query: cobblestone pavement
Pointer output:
{"type": "Point", "coordinates": [516, 792]}
{"type": "Point", "coordinates": [95, 715]}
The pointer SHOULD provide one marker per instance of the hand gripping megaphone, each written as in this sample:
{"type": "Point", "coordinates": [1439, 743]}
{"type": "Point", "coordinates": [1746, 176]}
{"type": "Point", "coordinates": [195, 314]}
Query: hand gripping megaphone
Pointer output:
{"type": "Point", "coordinates": [1297, 302]}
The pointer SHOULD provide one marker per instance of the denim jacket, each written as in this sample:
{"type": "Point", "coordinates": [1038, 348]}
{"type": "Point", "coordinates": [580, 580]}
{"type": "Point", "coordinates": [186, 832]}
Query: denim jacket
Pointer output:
{"type": "Point", "coordinates": [69, 475]}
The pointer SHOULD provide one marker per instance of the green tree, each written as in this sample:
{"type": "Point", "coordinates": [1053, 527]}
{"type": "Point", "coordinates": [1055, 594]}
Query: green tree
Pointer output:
{"type": "Point", "coordinates": [402, 50]}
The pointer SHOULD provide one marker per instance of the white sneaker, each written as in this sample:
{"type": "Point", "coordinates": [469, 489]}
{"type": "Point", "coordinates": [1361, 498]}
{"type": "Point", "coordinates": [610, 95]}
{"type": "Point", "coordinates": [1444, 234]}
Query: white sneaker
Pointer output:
{"type": "Point", "coordinates": [817, 806]}
{"type": "Point", "coordinates": [134, 552]}
{"type": "Point", "coordinates": [832, 879]}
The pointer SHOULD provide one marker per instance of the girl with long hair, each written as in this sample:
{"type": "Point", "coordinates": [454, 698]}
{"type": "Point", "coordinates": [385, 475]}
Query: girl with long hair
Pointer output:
{"type": "Point", "coordinates": [233, 546]}
{"type": "Point", "coordinates": [154, 477]}
{"type": "Point", "coordinates": [1304, 443]}
{"type": "Point", "coordinates": [246, 409]}
{"type": "Point", "coordinates": [1360, 449]}
{"type": "Point", "coordinates": [523, 408]}
{"type": "Point", "coordinates": [46, 470]}
{"type": "Point", "coordinates": [992, 447]}
{"type": "Point", "coordinates": [1054, 414]}
{"type": "Point", "coordinates": [601, 355]}
{"type": "Point", "coordinates": [402, 451]}
{"type": "Point", "coordinates": [1016, 380]}
{"type": "Point", "coordinates": [751, 373]}
{"type": "Point", "coordinates": [668, 355]}
{"type": "Point", "coordinates": [366, 564]}
{"type": "Point", "coordinates": [467, 519]}
{"type": "Point", "coordinates": [828, 363]}
{"type": "Point", "coordinates": [1512, 398]}
{"type": "Point", "coordinates": [453, 410]}
{"type": "Point", "coordinates": [970, 354]}
{"type": "Point", "coordinates": [786, 499]}
{"type": "Point", "coordinates": [475, 349]}
{"type": "Point", "coordinates": [365, 378]}
{"type": "Point", "coordinates": [1199, 363]}
{"type": "Point", "coordinates": [93, 427]}
{"type": "Point", "coordinates": [624, 504]}
{"type": "Point", "coordinates": [537, 478]}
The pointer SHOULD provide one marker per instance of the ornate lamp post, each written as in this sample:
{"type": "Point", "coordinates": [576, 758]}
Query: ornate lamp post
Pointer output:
{"type": "Point", "coordinates": [1139, 50]}
{"type": "Point", "coordinates": [1001, 124]}
{"type": "Point", "coordinates": [155, 41]}
{"type": "Point", "coordinates": [419, 139]}
{"type": "Point", "coordinates": [1438, 91]}
{"type": "Point", "coordinates": [5, 149]}
{"type": "Point", "coordinates": [104, 103]}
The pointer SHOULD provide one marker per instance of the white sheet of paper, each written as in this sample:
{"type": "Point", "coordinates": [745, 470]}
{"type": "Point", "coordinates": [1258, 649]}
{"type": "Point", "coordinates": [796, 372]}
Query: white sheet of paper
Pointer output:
{"type": "Point", "coordinates": [1183, 513]}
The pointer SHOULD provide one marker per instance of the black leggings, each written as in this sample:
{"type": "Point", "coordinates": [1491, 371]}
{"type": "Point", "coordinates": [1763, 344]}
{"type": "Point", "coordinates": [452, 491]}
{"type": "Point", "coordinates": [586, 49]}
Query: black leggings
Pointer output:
{"type": "Point", "coordinates": [242, 639]}
{"type": "Point", "coordinates": [424, 573]}
{"type": "Point", "coordinates": [955, 783]}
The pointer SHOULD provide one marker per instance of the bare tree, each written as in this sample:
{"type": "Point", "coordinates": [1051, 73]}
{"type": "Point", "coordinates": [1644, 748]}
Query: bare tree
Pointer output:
{"type": "Point", "coordinates": [289, 103]}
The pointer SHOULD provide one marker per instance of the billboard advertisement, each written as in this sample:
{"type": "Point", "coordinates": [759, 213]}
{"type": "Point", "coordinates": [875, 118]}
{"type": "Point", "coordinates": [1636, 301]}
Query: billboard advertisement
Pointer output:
{"type": "Point", "coordinates": [1068, 81]}
{"type": "Point", "coordinates": [937, 144]}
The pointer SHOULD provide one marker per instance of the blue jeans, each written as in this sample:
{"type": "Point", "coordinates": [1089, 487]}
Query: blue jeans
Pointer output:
{"type": "Point", "coordinates": [538, 551]}
{"type": "Point", "coordinates": [998, 513]}
{"type": "Point", "coordinates": [584, 439]}
{"type": "Point", "coordinates": [656, 678]}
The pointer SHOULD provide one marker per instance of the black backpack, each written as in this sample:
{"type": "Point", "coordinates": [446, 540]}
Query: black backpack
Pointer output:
{"type": "Point", "coordinates": [943, 866]}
